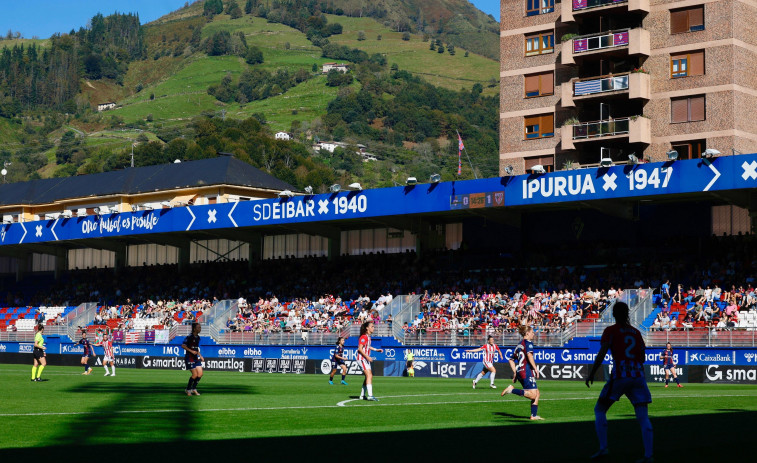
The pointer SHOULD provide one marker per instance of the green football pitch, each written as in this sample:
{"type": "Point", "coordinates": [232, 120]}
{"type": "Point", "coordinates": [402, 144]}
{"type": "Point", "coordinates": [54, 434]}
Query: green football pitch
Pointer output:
{"type": "Point", "coordinates": [143, 415]}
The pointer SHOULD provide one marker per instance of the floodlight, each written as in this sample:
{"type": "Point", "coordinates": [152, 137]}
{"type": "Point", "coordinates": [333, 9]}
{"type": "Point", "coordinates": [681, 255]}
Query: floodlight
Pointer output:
{"type": "Point", "coordinates": [335, 188]}
{"type": "Point", "coordinates": [134, 208]}
{"type": "Point", "coordinates": [148, 207]}
{"type": "Point", "coordinates": [633, 159]}
{"type": "Point", "coordinates": [101, 210]}
{"type": "Point", "coordinates": [287, 193]}
{"type": "Point", "coordinates": [355, 186]}
{"type": "Point", "coordinates": [710, 153]}
{"type": "Point", "coordinates": [538, 169]}
{"type": "Point", "coordinates": [7, 219]}
{"type": "Point", "coordinates": [411, 181]}
{"type": "Point", "coordinates": [67, 214]}
{"type": "Point", "coordinates": [165, 203]}
{"type": "Point", "coordinates": [81, 212]}
{"type": "Point", "coordinates": [672, 155]}
{"type": "Point", "coordinates": [509, 170]}
{"type": "Point", "coordinates": [605, 162]}
{"type": "Point", "coordinates": [309, 190]}
{"type": "Point", "coordinates": [435, 178]}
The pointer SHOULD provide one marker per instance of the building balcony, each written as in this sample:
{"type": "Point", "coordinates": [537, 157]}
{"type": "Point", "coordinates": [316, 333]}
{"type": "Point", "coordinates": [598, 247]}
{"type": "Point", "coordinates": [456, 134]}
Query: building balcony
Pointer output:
{"type": "Point", "coordinates": [635, 129]}
{"type": "Point", "coordinates": [570, 9]}
{"type": "Point", "coordinates": [635, 85]}
{"type": "Point", "coordinates": [620, 43]}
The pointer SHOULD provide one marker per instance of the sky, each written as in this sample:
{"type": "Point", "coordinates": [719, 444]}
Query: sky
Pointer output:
{"type": "Point", "coordinates": [42, 18]}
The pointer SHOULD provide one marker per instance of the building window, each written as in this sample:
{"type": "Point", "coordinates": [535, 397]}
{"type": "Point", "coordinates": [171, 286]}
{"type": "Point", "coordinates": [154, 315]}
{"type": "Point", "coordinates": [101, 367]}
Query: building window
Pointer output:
{"type": "Point", "coordinates": [690, 149]}
{"type": "Point", "coordinates": [689, 109]}
{"type": "Point", "coordinates": [542, 126]}
{"type": "Point", "coordinates": [534, 7]}
{"type": "Point", "coordinates": [687, 64]}
{"type": "Point", "coordinates": [687, 20]}
{"type": "Point", "coordinates": [537, 44]}
{"type": "Point", "coordinates": [540, 84]}
{"type": "Point", "coordinates": [547, 162]}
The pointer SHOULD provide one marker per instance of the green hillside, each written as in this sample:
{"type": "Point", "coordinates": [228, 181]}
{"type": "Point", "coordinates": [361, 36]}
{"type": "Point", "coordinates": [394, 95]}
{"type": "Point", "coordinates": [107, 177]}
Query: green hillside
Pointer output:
{"type": "Point", "coordinates": [163, 97]}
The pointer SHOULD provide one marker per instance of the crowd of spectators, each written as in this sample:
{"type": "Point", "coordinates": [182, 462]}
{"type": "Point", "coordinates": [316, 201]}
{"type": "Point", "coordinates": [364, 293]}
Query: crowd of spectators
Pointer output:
{"type": "Point", "coordinates": [163, 313]}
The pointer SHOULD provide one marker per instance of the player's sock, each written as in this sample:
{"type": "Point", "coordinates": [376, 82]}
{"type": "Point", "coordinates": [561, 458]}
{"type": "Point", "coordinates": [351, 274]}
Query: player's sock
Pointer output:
{"type": "Point", "coordinates": [478, 378]}
{"type": "Point", "coordinates": [197, 380]}
{"type": "Point", "coordinates": [677, 382]}
{"type": "Point", "coordinates": [600, 423]}
{"type": "Point", "coordinates": [343, 377]}
{"type": "Point", "coordinates": [39, 371]}
{"type": "Point", "coordinates": [491, 378]}
{"type": "Point", "coordinates": [534, 410]}
{"type": "Point", "coordinates": [666, 381]}
{"type": "Point", "coordinates": [370, 390]}
{"type": "Point", "coordinates": [34, 372]}
{"type": "Point", "coordinates": [113, 367]}
{"type": "Point", "coordinates": [519, 392]}
{"type": "Point", "coordinates": [190, 383]}
{"type": "Point", "coordinates": [86, 367]}
{"type": "Point", "coordinates": [105, 365]}
{"type": "Point", "coordinates": [642, 416]}
{"type": "Point", "coordinates": [362, 392]}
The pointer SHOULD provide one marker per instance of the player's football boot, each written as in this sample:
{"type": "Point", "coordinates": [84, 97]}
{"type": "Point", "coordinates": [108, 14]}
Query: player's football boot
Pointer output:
{"type": "Point", "coordinates": [474, 385]}
{"type": "Point", "coordinates": [106, 374]}
{"type": "Point", "coordinates": [331, 383]}
{"type": "Point", "coordinates": [680, 385]}
{"type": "Point", "coordinates": [345, 383]}
{"type": "Point", "coordinates": [493, 386]}
{"type": "Point", "coordinates": [537, 418]}
{"type": "Point", "coordinates": [601, 454]}
{"type": "Point", "coordinates": [666, 385]}
{"type": "Point", "coordinates": [372, 399]}
{"type": "Point", "coordinates": [194, 392]}
{"type": "Point", "coordinates": [507, 390]}
{"type": "Point", "coordinates": [188, 392]}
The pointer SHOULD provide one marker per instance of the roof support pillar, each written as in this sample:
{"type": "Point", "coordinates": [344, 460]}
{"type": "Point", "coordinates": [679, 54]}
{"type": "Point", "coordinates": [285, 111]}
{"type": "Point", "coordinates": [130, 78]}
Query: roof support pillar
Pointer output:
{"type": "Point", "coordinates": [335, 247]}
{"type": "Point", "coordinates": [184, 248]}
{"type": "Point", "coordinates": [255, 252]}
{"type": "Point", "coordinates": [22, 264]}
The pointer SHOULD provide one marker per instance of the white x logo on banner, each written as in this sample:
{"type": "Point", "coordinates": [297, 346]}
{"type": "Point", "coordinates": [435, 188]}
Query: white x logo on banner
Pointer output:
{"type": "Point", "coordinates": [39, 231]}
{"type": "Point", "coordinates": [323, 206]}
{"type": "Point", "coordinates": [609, 182]}
{"type": "Point", "coordinates": [750, 170]}
{"type": "Point", "coordinates": [212, 216]}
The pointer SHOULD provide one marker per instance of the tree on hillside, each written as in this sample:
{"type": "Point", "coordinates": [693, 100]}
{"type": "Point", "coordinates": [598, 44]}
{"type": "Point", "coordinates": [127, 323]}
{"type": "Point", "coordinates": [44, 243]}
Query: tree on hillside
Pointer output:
{"type": "Point", "coordinates": [233, 9]}
{"type": "Point", "coordinates": [361, 36]}
{"type": "Point", "coordinates": [254, 55]}
{"type": "Point", "coordinates": [250, 5]}
{"type": "Point", "coordinates": [212, 7]}
{"type": "Point", "coordinates": [406, 36]}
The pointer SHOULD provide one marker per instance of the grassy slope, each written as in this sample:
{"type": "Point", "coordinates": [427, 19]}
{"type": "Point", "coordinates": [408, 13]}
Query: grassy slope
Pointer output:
{"type": "Point", "coordinates": [147, 413]}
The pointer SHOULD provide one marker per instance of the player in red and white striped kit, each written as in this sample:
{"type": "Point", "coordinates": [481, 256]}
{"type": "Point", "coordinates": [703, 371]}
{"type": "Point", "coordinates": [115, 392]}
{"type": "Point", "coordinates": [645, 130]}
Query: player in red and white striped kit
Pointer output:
{"type": "Point", "coordinates": [107, 345]}
{"type": "Point", "coordinates": [489, 350]}
{"type": "Point", "coordinates": [364, 360]}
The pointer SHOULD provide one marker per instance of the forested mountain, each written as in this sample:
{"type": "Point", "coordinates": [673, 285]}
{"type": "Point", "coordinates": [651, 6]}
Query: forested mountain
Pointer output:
{"type": "Point", "coordinates": [225, 75]}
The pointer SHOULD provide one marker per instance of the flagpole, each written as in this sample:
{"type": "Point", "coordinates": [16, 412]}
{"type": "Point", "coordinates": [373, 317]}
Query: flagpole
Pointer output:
{"type": "Point", "coordinates": [467, 156]}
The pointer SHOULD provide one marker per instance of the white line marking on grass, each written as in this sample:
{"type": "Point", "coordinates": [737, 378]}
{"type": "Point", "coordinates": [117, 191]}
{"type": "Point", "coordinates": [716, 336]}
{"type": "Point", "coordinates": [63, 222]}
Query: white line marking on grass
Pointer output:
{"type": "Point", "coordinates": [314, 407]}
{"type": "Point", "coordinates": [342, 403]}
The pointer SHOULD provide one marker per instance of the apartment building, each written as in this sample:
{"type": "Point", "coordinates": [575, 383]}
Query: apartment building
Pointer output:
{"type": "Point", "coordinates": [585, 82]}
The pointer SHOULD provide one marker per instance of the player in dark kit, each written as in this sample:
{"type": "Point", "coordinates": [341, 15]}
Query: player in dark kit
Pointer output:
{"type": "Point", "coordinates": [89, 350]}
{"type": "Point", "coordinates": [525, 371]}
{"type": "Point", "coordinates": [193, 358]}
{"type": "Point", "coordinates": [337, 361]}
{"type": "Point", "coordinates": [627, 378]}
{"type": "Point", "coordinates": [668, 365]}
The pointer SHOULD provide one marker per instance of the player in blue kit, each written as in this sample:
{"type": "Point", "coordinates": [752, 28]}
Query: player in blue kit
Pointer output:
{"type": "Point", "coordinates": [193, 358]}
{"type": "Point", "coordinates": [525, 371]}
{"type": "Point", "coordinates": [89, 349]}
{"type": "Point", "coordinates": [337, 361]}
{"type": "Point", "coordinates": [668, 365]}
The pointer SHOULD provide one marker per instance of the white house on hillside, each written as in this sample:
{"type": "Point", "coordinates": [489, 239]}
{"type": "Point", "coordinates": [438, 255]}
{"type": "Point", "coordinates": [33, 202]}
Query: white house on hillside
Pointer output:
{"type": "Point", "coordinates": [341, 67]}
{"type": "Point", "coordinates": [105, 106]}
{"type": "Point", "coordinates": [283, 136]}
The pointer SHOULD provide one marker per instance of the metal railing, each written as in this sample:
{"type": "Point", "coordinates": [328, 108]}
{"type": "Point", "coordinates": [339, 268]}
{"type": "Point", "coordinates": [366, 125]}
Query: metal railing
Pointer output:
{"type": "Point", "coordinates": [380, 329]}
{"type": "Point", "coordinates": [464, 338]}
{"type": "Point", "coordinates": [17, 336]}
{"type": "Point", "coordinates": [704, 337]}
{"type": "Point", "coordinates": [579, 5]}
{"type": "Point", "coordinates": [214, 320]}
{"type": "Point", "coordinates": [600, 41]}
{"type": "Point", "coordinates": [302, 338]}
{"type": "Point", "coordinates": [83, 315]}
{"type": "Point", "coordinates": [404, 309]}
{"type": "Point", "coordinates": [600, 85]}
{"type": "Point", "coordinates": [597, 129]}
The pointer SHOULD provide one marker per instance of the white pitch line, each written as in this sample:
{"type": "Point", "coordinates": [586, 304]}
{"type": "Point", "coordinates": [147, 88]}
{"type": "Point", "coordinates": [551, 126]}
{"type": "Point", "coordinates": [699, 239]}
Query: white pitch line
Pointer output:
{"type": "Point", "coordinates": [312, 407]}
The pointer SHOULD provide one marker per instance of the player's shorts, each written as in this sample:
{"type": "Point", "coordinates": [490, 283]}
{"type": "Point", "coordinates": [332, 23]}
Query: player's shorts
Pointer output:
{"type": "Point", "coordinates": [364, 364]}
{"type": "Point", "coordinates": [410, 364]}
{"type": "Point", "coordinates": [634, 388]}
{"type": "Point", "coordinates": [108, 359]}
{"type": "Point", "coordinates": [85, 356]}
{"type": "Point", "coordinates": [488, 365]}
{"type": "Point", "coordinates": [335, 364]}
{"type": "Point", "coordinates": [668, 366]}
{"type": "Point", "coordinates": [38, 353]}
{"type": "Point", "coordinates": [192, 364]}
{"type": "Point", "coordinates": [528, 383]}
